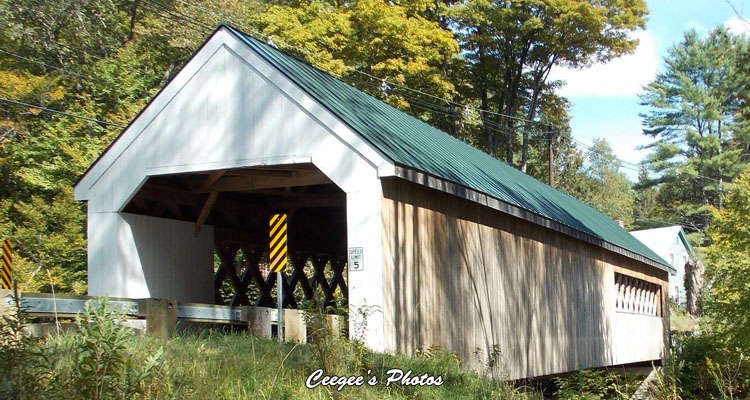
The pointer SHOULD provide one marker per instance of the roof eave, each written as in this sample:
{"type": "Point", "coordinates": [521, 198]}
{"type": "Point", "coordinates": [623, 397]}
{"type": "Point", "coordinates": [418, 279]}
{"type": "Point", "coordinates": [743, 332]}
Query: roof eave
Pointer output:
{"type": "Point", "coordinates": [457, 189]}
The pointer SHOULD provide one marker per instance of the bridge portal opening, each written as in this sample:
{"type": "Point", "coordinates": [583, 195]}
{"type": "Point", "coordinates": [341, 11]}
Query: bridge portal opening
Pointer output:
{"type": "Point", "coordinates": [238, 204]}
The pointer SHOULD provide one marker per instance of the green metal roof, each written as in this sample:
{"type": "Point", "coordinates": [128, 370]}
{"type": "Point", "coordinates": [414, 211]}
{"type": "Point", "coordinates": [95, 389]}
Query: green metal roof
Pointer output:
{"type": "Point", "coordinates": [412, 143]}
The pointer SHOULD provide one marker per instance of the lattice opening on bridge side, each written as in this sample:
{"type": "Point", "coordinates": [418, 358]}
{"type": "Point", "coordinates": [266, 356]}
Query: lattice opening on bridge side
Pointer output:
{"type": "Point", "coordinates": [242, 279]}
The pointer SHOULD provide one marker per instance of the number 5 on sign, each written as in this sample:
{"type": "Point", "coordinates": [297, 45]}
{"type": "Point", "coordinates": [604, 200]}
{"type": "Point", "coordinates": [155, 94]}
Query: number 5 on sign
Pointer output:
{"type": "Point", "coordinates": [356, 259]}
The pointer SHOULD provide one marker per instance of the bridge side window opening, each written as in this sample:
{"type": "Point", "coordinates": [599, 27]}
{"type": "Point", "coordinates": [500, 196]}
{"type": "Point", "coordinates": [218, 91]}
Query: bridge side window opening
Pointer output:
{"type": "Point", "coordinates": [637, 296]}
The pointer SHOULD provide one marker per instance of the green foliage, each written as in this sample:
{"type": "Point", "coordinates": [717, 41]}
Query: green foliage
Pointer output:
{"type": "Point", "coordinates": [728, 271]}
{"type": "Point", "coordinates": [595, 384]}
{"type": "Point", "coordinates": [696, 116]}
{"type": "Point", "coordinates": [609, 191]}
{"type": "Point", "coordinates": [667, 385]}
{"type": "Point", "coordinates": [23, 366]}
{"type": "Point", "coordinates": [510, 47]}
{"type": "Point", "coordinates": [597, 181]}
{"type": "Point", "coordinates": [105, 361]}
{"type": "Point", "coordinates": [100, 359]}
{"type": "Point", "coordinates": [325, 340]}
{"type": "Point", "coordinates": [705, 366]}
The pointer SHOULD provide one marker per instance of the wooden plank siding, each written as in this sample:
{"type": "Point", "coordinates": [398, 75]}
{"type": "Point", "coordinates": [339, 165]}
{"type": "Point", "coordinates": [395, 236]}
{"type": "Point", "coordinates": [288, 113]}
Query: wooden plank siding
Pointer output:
{"type": "Point", "coordinates": [486, 285]}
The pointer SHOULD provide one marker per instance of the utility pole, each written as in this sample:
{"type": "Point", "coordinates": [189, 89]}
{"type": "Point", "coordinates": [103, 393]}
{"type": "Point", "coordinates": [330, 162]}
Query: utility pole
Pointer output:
{"type": "Point", "coordinates": [550, 138]}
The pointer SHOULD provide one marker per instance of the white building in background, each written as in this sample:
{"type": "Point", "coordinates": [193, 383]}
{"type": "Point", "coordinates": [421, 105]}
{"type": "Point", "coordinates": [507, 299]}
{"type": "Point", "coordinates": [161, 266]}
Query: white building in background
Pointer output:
{"type": "Point", "coordinates": [671, 243]}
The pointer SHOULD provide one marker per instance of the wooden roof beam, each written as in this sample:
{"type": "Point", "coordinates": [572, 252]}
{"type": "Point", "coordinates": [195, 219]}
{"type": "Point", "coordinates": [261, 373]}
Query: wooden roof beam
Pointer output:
{"type": "Point", "coordinates": [248, 183]}
{"type": "Point", "coordinates": [207, 206]}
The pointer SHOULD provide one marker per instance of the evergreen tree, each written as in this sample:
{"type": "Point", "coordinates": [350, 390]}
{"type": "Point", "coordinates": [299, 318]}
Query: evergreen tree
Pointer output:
{"type": "Point", "coordinates": [694, 114]}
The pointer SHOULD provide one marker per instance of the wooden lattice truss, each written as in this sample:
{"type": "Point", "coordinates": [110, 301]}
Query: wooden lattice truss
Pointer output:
{"type": "Point", "coordinates": [310, 273]}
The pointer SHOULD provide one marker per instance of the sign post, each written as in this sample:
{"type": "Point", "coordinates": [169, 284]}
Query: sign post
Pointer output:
{"type": "Point", "coordinates": [277, 255]}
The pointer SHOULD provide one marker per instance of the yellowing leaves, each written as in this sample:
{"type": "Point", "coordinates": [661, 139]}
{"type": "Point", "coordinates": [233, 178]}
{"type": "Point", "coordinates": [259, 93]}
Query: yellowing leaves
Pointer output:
{"type": "Point", "coordinates": [22, 85]}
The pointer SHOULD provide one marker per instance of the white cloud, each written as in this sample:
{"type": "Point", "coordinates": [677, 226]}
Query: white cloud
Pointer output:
{"type": "Point", "coordinates": [624, 76]}
{"type": "Point", "coordinates": [737, 25]}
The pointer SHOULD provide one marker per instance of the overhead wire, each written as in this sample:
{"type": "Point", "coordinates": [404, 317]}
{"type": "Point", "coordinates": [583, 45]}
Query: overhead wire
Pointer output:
{"type": "Point", "coordinates": [159, 9]}
{"type": "Point", "coordinates": [66, 71]}
{"type": "Point", "coordinates": [200, 27]}
{"type": "Point", "coordinates": [50, 110]}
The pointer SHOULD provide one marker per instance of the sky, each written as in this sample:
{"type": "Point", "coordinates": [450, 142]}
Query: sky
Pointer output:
{"type": "Point", "coordinates": [604, 97]}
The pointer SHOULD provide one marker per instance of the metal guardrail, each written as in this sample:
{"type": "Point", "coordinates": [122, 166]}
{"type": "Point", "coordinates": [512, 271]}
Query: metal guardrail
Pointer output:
{"type": "Point", "coordinates": [43, 304]}
{"type": "Point", "coordinates": [162, 315]}
{"type": "Point", "coordinates": [50, 305]}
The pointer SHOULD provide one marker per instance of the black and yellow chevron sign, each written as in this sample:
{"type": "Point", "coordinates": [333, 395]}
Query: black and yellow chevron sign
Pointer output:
{"type": "Point", "coordinates": [277, 252]}
{"type": "Point", "coordinates": [5, 277]}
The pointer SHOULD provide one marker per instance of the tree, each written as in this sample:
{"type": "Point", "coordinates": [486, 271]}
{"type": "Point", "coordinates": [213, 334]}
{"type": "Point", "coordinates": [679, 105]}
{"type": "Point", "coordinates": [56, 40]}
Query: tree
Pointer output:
{"type": "Point", "coordinates": [609, 189]}
{"type": "Point", "coordinates": [79, 57]}
{"type": "Point", "coordinates": [646, 202]}
{"type": "Point", "coordinates": [511, 46]}
{"type": "Point", "coordinates": [695, 115]}
{"type": "Point", "coordinates": [595, 179]}
{"type": "Point", "coordinates": [728, 270]}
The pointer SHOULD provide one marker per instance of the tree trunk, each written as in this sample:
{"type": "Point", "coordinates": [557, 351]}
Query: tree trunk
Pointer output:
{"type": "Point", "coordinates": [694, 271]}
{"type": "Point", "coordinates": [540, 76]}
{"type": "Point", "coordinates": [132, 19]}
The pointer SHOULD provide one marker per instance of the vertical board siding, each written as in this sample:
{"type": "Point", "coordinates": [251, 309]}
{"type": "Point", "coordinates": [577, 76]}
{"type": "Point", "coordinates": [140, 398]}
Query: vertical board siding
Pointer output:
{"type": "Point", "coordinates": [508, 297]}
{"type": "Point", "coordinates": [227, 112]}
{"type": "Point", "coordinates": [151, 257]}
{"type": "Point", "coordinates": [226, 109]}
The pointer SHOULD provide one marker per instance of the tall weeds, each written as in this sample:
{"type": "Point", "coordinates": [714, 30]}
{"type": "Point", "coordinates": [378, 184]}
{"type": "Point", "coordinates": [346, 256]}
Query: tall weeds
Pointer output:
{"type": "Point", "coordinates": [101, 359]}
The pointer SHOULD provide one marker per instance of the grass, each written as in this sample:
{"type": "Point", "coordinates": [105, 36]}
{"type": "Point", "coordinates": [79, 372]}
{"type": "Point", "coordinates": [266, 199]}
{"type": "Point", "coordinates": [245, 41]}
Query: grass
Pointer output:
{"type": "Point", "coordinates": [215, 365]}
{"type": "Point", "coordinates": [681, 321]}
{"type": "Point", "coordinates": [101, 359]}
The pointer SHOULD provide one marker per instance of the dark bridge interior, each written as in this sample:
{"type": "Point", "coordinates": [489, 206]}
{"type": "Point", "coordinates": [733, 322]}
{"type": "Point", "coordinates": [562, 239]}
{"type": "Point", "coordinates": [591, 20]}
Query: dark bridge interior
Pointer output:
{"type": "Point", "coordinates": [238, 203]}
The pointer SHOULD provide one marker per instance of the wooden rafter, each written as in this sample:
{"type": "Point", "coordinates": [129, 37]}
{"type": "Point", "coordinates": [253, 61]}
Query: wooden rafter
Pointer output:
{"type": "Point", "coordinates": [212, 178]}
{"type": "Point", "coordinates": [207, 206]}
{"type": "Point", "coordinates": [248, 183]}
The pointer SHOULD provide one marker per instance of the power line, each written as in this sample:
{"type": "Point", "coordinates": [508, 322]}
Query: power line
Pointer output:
{"type": "Point", "coordinates": [61, 45]}
{"type": "Point", "coordinates": [437, 109]}
{"type": "Point", "coordinates": [197, 25]}
{"type": "Point", "coordinates": [63, 70]}
{"type": "Point", "coordinates": [67, 114]}
{"type": "Point", "coordinates": [265, 38]}
{"type": "Point", "coordinates": [192, 23]}
{"type": "Point", "coordinates": [424, 105]}
{"type": "Point", "coordinates": [507, 131]}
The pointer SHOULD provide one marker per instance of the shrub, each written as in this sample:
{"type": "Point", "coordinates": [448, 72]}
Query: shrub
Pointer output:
{"type": "Point", "coordinates": [595, 384]}
{"type": "Point", "coordinates": [24, 372]}
{"type": "Point", "coordinates": [105, 360]}
{"type": "Point", "coordinates": [101, 359]}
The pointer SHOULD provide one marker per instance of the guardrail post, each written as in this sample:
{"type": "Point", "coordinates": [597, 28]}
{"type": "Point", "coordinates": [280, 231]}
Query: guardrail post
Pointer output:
{"type": "Point", "coordinates": [4, 294]}
{"type": "Point", "coordinates": [161, 317]}
{"type": "Point", "coordinates": [334, 325]}
{"type": "Point", "coordinates": [294, 327]}
{"type": "Point", "coordinates": [258, 320]}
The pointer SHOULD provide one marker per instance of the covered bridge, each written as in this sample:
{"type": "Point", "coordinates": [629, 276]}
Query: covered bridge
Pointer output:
{"type": "Point", "coordinates": [453, 247]}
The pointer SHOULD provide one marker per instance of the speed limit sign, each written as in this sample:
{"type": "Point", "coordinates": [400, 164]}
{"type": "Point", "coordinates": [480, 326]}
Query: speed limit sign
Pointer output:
{"type": "Point", "coordinates": [356, 260]}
